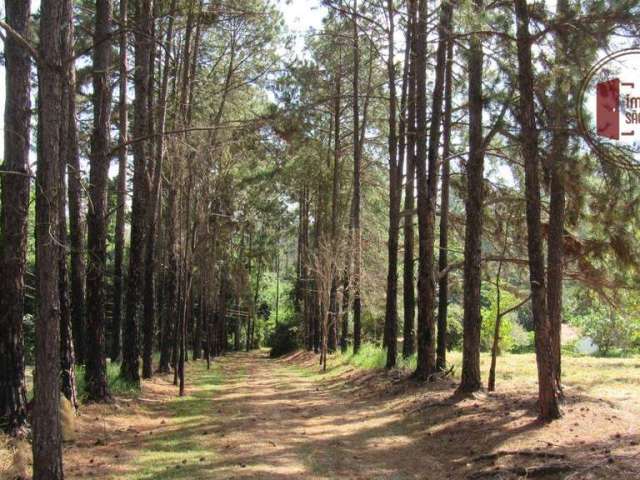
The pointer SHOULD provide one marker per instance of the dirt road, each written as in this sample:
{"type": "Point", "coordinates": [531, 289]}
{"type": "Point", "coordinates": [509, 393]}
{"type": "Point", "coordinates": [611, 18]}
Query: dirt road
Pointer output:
{"type": "Point", "coordinates": [251, 417]}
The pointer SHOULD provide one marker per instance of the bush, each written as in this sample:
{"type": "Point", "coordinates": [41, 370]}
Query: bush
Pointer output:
{"type": "Point", "coordinates": [371, 323]}
{"type": "Point", "coordinates": [487, 331]}
{"type": "Point", "coordinates": [607, 329]}
{"type": "Point", "coordinates": [523, 341]}
{"type": "Point", "coordinates": [283, 340]}
{"type": "Point", "coordinates": [454, 327]}
{"type": "Point", "coordinates": [612, 333]}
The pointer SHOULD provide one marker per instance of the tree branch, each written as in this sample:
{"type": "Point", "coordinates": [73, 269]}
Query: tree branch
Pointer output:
{"type": "Point", "coordinates": [21, 40]}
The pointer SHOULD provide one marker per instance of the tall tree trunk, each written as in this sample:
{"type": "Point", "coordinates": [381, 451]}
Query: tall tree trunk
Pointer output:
{"type": "Point", "coordinates": [47, 436]}
{"type": "Point", "coordinates": [67, 353]}
{"type": "Point", "coordinates": [175, 348]}
{"type": "Point", "coordinates": [169, 333]}
{"type": "Point", "coordinates": [443, 258]}
{"type": "Point", "coordinates": [256, 296]}
{"type": "Point", "coordinates": [335, 199]}
{"type": "Point", "coordinates": [208, 336]}
{"type": "Point", "coordinates": [409, 298]}
{"type": "Point", "coordinates": [344, 329]}
{"type": "Point", "coordinates": [470, 380]}
{"type": "Point", "coordinates": [168, 352]}
{"type": "Point", "coordinates": [123, 135]}
{"type": "Point", "coordinates": [67, 149]}
{"type": "Point", "coordinates": [77, 225]}
{"type": "Point", "coordinates": [427, 186]}
{"type": "Point", "coordinates": [491, 383]}
{"type": "Point", "coordinates": [277, 284]}
{"type": "Point", "coordinates": [557, 166]}
{"type": "Point", "coordinates": [182, 347]}
{"type": "Point", "coordinates": [143, 44]}
{"type": "Point", "coordinates": [153, 203]}
{"type": "Point", "coordinates": [252, 303]}
{"type": "Point", "coordinates": [355, 212]}
{"type": "Point", "coordinates": [395, 197]}
{"type": "Point", "coordinates": [197, 334]}
{"type": "Point", "coordinates": [96, 374]}
{"type": "Point", "coordinates": [151, 200]}
{"type": "Point", "coordinates": [304, 262]}
{"type": "Point", "coordinates": [315, 296]}
{"type": "Point", "coordinates": [548, 408]}
{"type": "Point", "coordinates": [14, 207]}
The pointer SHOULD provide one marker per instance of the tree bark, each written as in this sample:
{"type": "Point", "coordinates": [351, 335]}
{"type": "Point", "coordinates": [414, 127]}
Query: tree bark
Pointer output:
{"type": "Point", "coordinates": [47, 437]}
{"type": "Point", "coordinates": [153, 203]}
{"type": "Point", "coordinates": [198, 328]}
{"type": "Point", "coordinates": [548, 408]}
{"type": "Point", "coordinates": [121, 182]}
{"type": "Point", "coordinates": [395, 197]}
{"type": "Point", "coordinates": [143, 43]}
{"type": "Point", "coordinates": [77, 225]}
{"type": "Point", "coordinates": [443, 258]}
{"type": "Point", "coordinates": [169, 332]}
{"type": "Point", "coordinates": [335, 199]}
{"type": "Point", "coordinates": [470, 380]}
{"type": "Point", "coordinates": [409, 295]}
{"type": "Point", "coordinates": [357, 151]}
{"type": "Point", "coordinates": [557, 170]}
{"type": "Point", "coordinates": [96, 373]}
{"type": "Point", "coordinates": [344, 317]}
{"type": "Point", "coordinates": [14, 209]}
{"type": "Point", "coordinates": [67, 353]}
{"type": "Point", "coordinates": [427, 187]}
{"type": "Point", "coordinates": [67, 149]}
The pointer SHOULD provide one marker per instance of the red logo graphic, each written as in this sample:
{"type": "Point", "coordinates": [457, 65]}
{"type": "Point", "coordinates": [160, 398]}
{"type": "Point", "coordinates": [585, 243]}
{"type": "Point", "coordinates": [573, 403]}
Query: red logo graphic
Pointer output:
{"type": "Point", "coordinates": [608, 109]}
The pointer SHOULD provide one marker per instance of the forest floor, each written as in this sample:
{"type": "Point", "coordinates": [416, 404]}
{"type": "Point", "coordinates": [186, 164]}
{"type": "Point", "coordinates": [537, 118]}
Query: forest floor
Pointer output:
{"type": "Point", "coordinates": [251, 417]}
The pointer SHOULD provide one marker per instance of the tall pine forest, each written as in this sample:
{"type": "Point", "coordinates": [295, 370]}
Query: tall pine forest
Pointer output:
{"type": "Point", "coordinates": [320, 239]}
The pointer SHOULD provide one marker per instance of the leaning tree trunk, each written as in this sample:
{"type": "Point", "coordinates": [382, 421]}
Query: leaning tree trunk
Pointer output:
{"type": "Point", "coordinates": [491, 383]}
{"type": "Point", "coordinates": [47, 436]}
{"type": "Point", "coordinates": [470, 380]}
{"type": "Point", "coordinates": [548, 408]}
{"type": "Point", "coordinates": [96, 371]}
{"type": "Point", "coordinates": [121, 186]}
{"type": "Point", "coordinates": [14, 208]}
